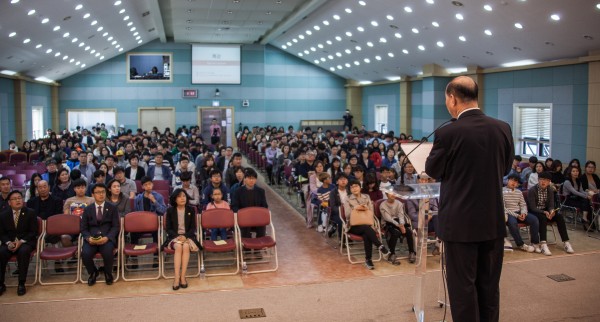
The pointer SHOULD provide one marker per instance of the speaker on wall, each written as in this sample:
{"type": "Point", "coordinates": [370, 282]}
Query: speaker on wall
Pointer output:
{"type": "Point", "coordinates": [245, 103]}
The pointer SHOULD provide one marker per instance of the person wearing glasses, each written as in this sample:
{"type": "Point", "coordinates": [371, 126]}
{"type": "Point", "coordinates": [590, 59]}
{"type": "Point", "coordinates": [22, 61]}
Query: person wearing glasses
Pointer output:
{"type": "Point", "coordinates": [18, 235]}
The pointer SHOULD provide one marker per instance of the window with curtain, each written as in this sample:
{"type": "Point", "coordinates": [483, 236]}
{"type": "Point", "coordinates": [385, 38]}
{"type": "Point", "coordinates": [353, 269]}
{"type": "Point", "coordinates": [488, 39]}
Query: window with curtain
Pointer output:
{"type": "Point", "coordinates": [533, 129]}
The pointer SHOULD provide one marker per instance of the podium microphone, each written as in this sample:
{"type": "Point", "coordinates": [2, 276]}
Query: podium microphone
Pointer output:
{"type": "Point", "coordinates": [402, 187]}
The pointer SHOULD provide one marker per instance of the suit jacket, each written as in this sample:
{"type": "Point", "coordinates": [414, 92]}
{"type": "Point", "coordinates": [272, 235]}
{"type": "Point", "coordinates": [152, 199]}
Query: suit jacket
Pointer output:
{"type": "Point", "coordinates": [108, 227]}
{"type": "Point", "coordinates": [172, 224]}
{"type": "Point", "coordinates": [138, 175]}
{"type": "Point", "coordinates": [26, 229]}
{"type": "Point", "coordinates": [470, 156]}
{"type": "Point", "coordinates": [241, 199]}
{"type": "Point", "coordinates": [166, 172]}
{"type": "Point", "coordinates": [158, 207]}
{"type": "Point", "coordinates": [56, 206]}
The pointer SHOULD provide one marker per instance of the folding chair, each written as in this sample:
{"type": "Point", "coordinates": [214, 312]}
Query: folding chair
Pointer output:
{"type": "Point", "coordinates": [34, 157]}
{"type": "Point", "coordinates": [17, 157]}
{"type": "Point", "coordinates": [34, 259]}
{"type": "Point", "coordinates": [377, 212]}
{"type": "Point", "coordinates": [98, 258]}
{"type": "Point", "coordinates": [139, 222]}
{"type": "Point", "coordinates": [565, 208]}
{"type": "Point", "coordinates": [61, 224]}
{"type": "Point", "coordinates": [253, 217]}
{"type": "Point", "coordinates": [354, 243]}
{"type": "Point", "coordinates": [167, 251]}
{"type": "Point", "coordinates": [8, 171]}
{"type": "Point", "coordinates": [215, 219]}
{"type": "Point", "coordinates": [595, 214]}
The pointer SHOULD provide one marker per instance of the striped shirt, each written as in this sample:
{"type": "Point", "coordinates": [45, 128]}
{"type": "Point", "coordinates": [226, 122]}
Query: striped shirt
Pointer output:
{"type": "Point", "coordinates": [514, 203]}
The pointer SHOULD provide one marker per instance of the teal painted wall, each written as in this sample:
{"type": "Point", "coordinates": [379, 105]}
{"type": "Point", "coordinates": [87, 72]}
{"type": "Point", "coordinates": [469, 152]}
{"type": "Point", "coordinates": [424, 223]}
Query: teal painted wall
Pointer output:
{"type": "Point", "coordinates": [566, 87]}
{"type": "Point", "coordinates": [7, 112]}
{"type": "Point", "coordinates": [38, 95]}
{"type": "Point", "coordinates": [282, 89]}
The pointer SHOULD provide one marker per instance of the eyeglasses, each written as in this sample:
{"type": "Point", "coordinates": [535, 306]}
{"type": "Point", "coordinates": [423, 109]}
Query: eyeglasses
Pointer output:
{"type": "Point", "coordinates": [16, 199]}
{"type": "Point", "coordinates": [99, 192]}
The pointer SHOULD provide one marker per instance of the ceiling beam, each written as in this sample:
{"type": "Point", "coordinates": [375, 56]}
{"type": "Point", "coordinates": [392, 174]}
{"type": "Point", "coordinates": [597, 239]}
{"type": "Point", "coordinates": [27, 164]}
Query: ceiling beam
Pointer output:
{"type": "Point", "coordinates": [306, 9]}
{"type": "Point", "coordinates": [158, 21]}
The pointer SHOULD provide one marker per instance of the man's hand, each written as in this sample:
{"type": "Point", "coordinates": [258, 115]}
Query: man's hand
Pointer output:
{"type": "Point", "coordinates": [402, 229]}
{"type": "Point", "coordinates": [522, 216]}
{"type": "Point", "coordinates": [92, 241]}
{"type": "Point", "coordinates": [151, 197]}
{"type": "Point", "coordinates": [102, 241]}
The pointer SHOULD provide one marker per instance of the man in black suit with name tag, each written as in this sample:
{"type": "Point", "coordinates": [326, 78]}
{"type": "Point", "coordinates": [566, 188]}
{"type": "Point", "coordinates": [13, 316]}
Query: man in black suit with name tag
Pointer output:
{"type": "Point", "coordinates": [470, 156]}
{"type": "Point", "coordinates": [99, 228]}
{"type": "Point", "coordinates": [18, 233]}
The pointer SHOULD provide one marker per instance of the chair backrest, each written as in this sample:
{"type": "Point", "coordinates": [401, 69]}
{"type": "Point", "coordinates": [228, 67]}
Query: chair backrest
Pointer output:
{"type": "Point", "coordinates": [138, 186]}
{"type": "Point", "coordinates": [17, 157]}
{"type": "Point", "coordinates": [217, 218]}
{"type": "Point", "coordinates": [140, 222]}
{"type": "Point", "coordinates": [376, 209]}
{"type": "Point", "coordinates": [34, 157]}
{"type": "Point", "coordinates": [63, 224]}
{"type": "Point", "coordinates": [27, 172]}
{"type": "Point", "coordinates": [7, 172]}
{"type": "Point", "coordinates": [165, 194]}
{"type": "Point", "coordinates": [18, 179]}
{"type": "Point", "coordinates": [253, 216]}
{"type": "Point", "coordinates": [161, 185]}
{"type": "Point", "coordinates": [40, 226]}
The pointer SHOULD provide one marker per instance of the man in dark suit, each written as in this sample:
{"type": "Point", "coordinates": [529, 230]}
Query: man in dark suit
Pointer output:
{"type": "Point", "coordinates": [18, 234]}
{"type": "Point", "coordinates": [470, 156]}
{"type": "Point", "coordinates": [250, 195]}
{"type": "Point", "coordinates": [99, 228]}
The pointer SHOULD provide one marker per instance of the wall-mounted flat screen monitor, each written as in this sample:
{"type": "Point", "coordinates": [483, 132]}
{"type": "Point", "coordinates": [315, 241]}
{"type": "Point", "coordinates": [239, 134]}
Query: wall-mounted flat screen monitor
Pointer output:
{"type": "Point", "coordinates": [216, 64]}
{"type": "Point", "coordinates": [149, 67]}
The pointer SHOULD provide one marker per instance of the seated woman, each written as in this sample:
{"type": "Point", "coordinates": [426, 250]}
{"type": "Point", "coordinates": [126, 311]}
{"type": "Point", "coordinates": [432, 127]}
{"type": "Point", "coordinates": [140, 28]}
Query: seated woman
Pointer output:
{"type": "Point", "coordinates": [118, 198]}
{"type": "Point", "coordinates": [32, 189]}
{"type": "Point", "coordinates": [590, 182]}
{"type": "Point", "coordinates": [181, 235]}
{"type": "Point", "coordinates": [409, 176]}
{"type": "Point", "coordinates": [576, 196]}
{"type": "Point", "coordinates": [313, 185]}
{"type": "Point", "coordinates": [365, 161]}
{"type": "Point", "coordinates": [63, 187]}
{"type": "Point", "coordinates": [533, 178]}
{"type": "Point", "coordinates": [556, 174]}
{"type": "Point", "coordinates": [361, 202]}
{"type": "Point", "coordinates": [371, 187]}
{"type": "Point", "coordinates": [390, 158]}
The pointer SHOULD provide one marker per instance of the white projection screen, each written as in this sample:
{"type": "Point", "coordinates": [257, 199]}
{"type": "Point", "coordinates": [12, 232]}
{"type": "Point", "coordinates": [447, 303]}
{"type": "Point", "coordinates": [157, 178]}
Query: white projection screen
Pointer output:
{"type": "Point", "coordinates": [216, 64]}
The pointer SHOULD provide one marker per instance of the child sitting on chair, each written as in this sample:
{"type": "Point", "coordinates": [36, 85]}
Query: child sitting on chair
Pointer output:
{"type": "Point", "coordinates": [322, 199]}
{"type": "Point", "coordinates": [218, 203]}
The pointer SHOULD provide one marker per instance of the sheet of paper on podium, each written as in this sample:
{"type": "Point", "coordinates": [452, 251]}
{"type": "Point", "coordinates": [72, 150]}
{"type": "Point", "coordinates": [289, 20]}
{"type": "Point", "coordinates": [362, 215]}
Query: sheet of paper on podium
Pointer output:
{"type": "Point", "coordinates": [417, 157]}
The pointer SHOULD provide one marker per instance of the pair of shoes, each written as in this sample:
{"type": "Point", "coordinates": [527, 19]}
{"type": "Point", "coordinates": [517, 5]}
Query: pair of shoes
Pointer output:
{"type": "Point", "coordinates": [369, 264]}
{"type": "Point", "coordinates": [392, 259]}
{"type": "Point", "coordinates": [108, 278]}
{"type": "Point", "coordinates": [545, 250]}
{"type": "Point", "coordinates": [21, 290]}
{"type": "Point", "coordinates": [536, 248]}
{"type": "Point", "coordinates": [92, 278]}
{"type": "Point", "coordinates": [2, 289]}
{"type": "Point", "coordinates": [320, 228]}
{"type": "Point", "coordinates": [175, 287]}
{"type": "Point", "coordinates": [184, 285]}
{"type": "Point", "coordinates": [569, 248]}
{"type": "Point", "coordinates": [412, 257]}
{"type": "Point", "coordinates": [331, 231]}
{"type": "Point", "coordinates": [527, 248]}
{"type": "Point", "coordinates": [384, 251]}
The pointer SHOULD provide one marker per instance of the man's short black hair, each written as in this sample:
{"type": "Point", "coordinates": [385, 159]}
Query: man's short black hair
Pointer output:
{"type": "Point", "coordinates": [145, 179]}
{"type": "Point", "coordinates": [186, 176]}
{"type": "Point", "coordinates": [250, 173]}
{"type": "Point", "coordinates": [110, 156]}
{"type": "Point", "coordinates": [237, 154]}
{"type": "Point", "coordinates": [353, 182]}
{"type": "Point", "coordinates": [462, 91]}
{"type": "Point", "coordinates": [5, 179]}
{"type": "Point", "coordinates": [99, 185]}
{"type": "Point", "coordinates": [99, 173]}
{"type": "Point", "coordinates": [214, 172]}
{"type": "Point", "coordinates": [13, 192]}
{"type": "Point", "coordinates": [118, 169]}
{"type": "Point", "coordinates": [79, 183]}
{"type": "Point", "coordinates": [340, 176]}
{"type": "Point", "coordinates": [514, 176]}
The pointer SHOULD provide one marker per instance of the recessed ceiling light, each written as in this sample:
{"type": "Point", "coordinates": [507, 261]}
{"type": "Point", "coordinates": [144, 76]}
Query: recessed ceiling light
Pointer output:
{"type": "Point", "coordinates": [347, 65]}
{"type": "Point", "coordinates": [462, 38]}
{"type": "Point", "coordinates": [339, 67]}
{"type": "Point", "coordinates": [97, 54]}
{"type": "Point", "coordinates": [348, 51]}
{"type": "Point", "coordinates": [336, 17]}
{"type": "Point", "coordinates": [348, 10]}
{"type": "Point", "coordinates": [295, 40]}
{"type": "Point", "coordinates": [136, 33]}
{"type": "Point", "coordinates": [323, 59]}
{"type": "Point", "coordinates": [440, 44]}
{"type": "Point", "coordinates": [14, 1]}
{"type": "Point", "coordinates": [382, 40]}
{"type": "Point", "coordinates": [316, 61]}
{"type": "Point", "coordinates": [26, 41]}
{"type": "Point", "coordinates": [338, 38]}
{"type": "Point", "coordinates": [93, 51]}
{"type": "Point", "coordinates": [102, 57]}
{"type": "Point", "coordinates": [132, 29]}
{"type": "Point", "coordinates": [370, 44]}
{"type": "Point", "coordinates": [316, 27]}
{"type": "Point", "coordinates": [367, 60]}
{"type": "Point", "coordinates": [12, 34]}
{"type": "Point", "coordinates": [488, 32]}
{"type": "Point", "coordinates": [338, 54]}
{"type": "Point", "coordinates": [329, 42]}
{"type": "Point", "coordinates": [81, 44]}
{"type": "Point", "coordinates": [415, 30]}
{"type": "Point", "coordinates": [74, 40]}
{"type": "Point", "coordinates": [555, 17]}
{"type": "Point", "coordinates": [100, 28]}
{"type": "Point", "coordinates": [308, 32]}
{"type": "Point", "coordinates": [313, 49]}
{"type": "Point", "coordinates": [349, 34]}
{"type": "Point", "coordinates": [435, 24]}
{"type": "Point", "coordinates": [326, 23]}
{"type": "Point", "coordinates": [301, 36]}
{"type": "Point", "coordinates": [126, 18]}
{"type": "Point", "coordinates": [77, 63]}
{"type": "Point", "coordinates": [117, 3]}
{"type": "Point", "coordinates": [332, 69]}
{"type": "Point", "coordinates": [49, 50]}
{"type": "Point", "coordinates": [32, 11]}
{"type": "Point", "coordinates": [72, 60]}
{"type": "Point", "coordinates": [487, 7]}
{"type": "Point", "coordinates": [114, 42]}
{"type": "Point", "coordinates": [405, 51]}
{"type": "Point", "coordinates": [378, 57]}
{"type": "Point", "coordinates": [391, 54]}
{"type": "Point", "coordinates": [117, 46]}
{"type": "Point", "coordinates": [38, 46]}
{"type": "Point", "coordinates": [598, 6]}
{"type": "Point", "coordinates": [356, 62]}
{"type": "Point", "coordinates": [330, 57]}
{"type": "Point", "coordinates": [94, 22]}
{"type": "Point", "coordinates": [56, 28]}
{"type": "Point", "coordinates": [421, 47]}
{"type": "Point", "coordinates": [408, 9]}
{"type": "Point", "coordinates": [397, 35]}
{"type": "Point", "coordinates": [110, 38]}
{"type": "Point", "coordinates": [459, 16]}
{"type": "Point", "coordinates": [83, 65]}
{"type": "Point", "coordinates": [87, 15]}
{"type": "Point", "coordinates": [87, 48]}
{"type": "Point", "coordinates": [389, 17]}
{"type": "Point", "coordinates": [518, 25]}
{"type": "Point", "coordinates": [65, 57]}
{"type": "Point", "coordinates": [320, 46]}
{"type": "Point", "coordinates": [358, 48]}
{"type": "Point", "coordinates": [374, 23]}
{"type": "Point", "coordinates": [307, 52]}
{"type": "Point", "coordinates": [57, 54]}
{"type": "Point", "coordinates": [359, 28]}
{"type": "Point", "coordinates": [122, 11]}
{"type": "Point", "coordinates": [362, 3]}
{"type": "Point", "coordinates": [78, 7]}
{"type": "Point", "coordinates": [140, 41]}
{"type": "Point", "coordinates": [430, 1]}
{"type": "Point", "coordinates": [45, 20]}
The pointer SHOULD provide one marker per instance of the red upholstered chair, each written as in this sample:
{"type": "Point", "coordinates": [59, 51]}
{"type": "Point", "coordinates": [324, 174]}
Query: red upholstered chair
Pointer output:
{"type": "Point", "coordinates": [139, 222]}
{"type": "Point", "coordinates": [164, 193]}
{"type": "Point", "coordinates": [217, 255]}
{"type": "Point", "coordinates": [167, 255]}
{"type": "Point", "coordinates": [33, 263]}
{"type": "Point", "coordinates": [18, 157]}
{"type": "Point", "coordinates": [6, 171]}
{"type": "Point", "coordinates": [354, 243]}
{"type": "Point", "coordinates": [34, 157]}
{"type": "Point", "coordinates": [162, 185]}
{"type": "Point", "coordinates": [28, 173]}
{"type": "Point", "coordinates": [61, 224]}
{"type": "Point", "coordinates": [138, 187]}
{"type": "Point", "coordinates": [18, 181]}
{"type": "Point", "coordinates": [253, 217]}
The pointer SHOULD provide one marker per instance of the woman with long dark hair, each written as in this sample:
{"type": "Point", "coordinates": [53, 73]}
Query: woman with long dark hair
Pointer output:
{"type": "Point", "coordinates": [576, 196]}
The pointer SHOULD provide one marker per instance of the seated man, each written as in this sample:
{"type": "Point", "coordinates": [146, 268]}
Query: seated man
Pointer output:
{"type": "Point", "coordinates": [5, 189]}
{"type": "Point", "coordinates": [160, 170]}
{"type": "Point", "coordinates": [18, 234]}
{"type": "Point", "coordinates": [395, 226]}
{"type": "Point", "coordinates": [540, 202]}
{"type": "Point", "coordinates": [128, 186]}
{"type": "Point", "coordinates": [99, 228]}
{"type": "Point", "coordinates": [148, 200]}
{"type": "Point", "coordinates": [412, 207]}
{"type": "Point", "coordinates": [99, 177]}
{"type": "Point", "coordinates": [250, 195]}
{"type": "Point", "coordinates": [515, 209]}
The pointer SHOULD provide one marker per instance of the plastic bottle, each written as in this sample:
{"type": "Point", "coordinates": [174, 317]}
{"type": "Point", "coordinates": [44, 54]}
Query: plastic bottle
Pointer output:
{"type": "Point", "coordinates": [202, 272]}
{"type": "Point", "coordinates": [244, 269]}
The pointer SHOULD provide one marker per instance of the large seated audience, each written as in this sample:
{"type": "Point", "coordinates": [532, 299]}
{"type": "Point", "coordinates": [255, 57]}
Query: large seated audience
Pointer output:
{"type": "Point", "coordinates": [103, 176]}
